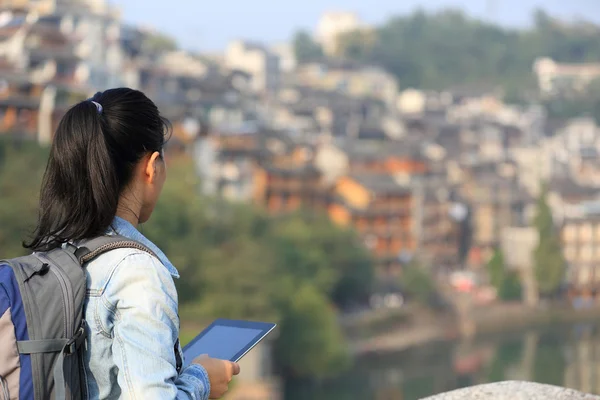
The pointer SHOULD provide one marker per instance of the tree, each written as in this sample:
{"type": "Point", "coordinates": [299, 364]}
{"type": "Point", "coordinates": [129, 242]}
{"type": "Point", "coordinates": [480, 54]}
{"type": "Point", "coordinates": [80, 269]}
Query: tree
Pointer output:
{"type": "Point", "coordinates": [446, 49]}
{"type": "Point", "coordinates": [22, 165]}
{"type": "Point", "coordinates": [496, 269]}
{"type": "Point", "coordinates": [417, 282]}
{"type": "Point", "coordinates": [234, 260]}
{"type": "Point", "coordinates": [158, 43]}
{"type": "Point", "coordinates": [305, 48]}
{"type": "Point", "coordinates": [309, 247]}
{"type": "Point", "coordinates": [310, 342]}
{"type": "Point", "coordinates": [549, 263]}
{"type": "Point", "coordinates": [507, 283]}
{"type": "Point", "coordinates": [511, 288]}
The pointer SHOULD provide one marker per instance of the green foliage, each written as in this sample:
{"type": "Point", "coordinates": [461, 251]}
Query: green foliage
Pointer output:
{"type": "Point", "coordinates": [507, 355]}
{"type": "Point", "coordinates": [312, 249]}
{"type": "Point", "coordinates": [507, 283]}
{"type": "Point", "coordinates": [417, 282]}
{"type": "Point", "coordinates": [159, 43]}
{"type": "Point", "coordinates": [305, 48]}
{"type": "Point", "coordinates": [578, 104]}
{"type": "Point", "coordinates": [511, 288]}
{"type": "Point", "coordinates": [447, 48]}
{"type": "Point", "coordinates": [237, 262]}
{"type": "Point", "coordinates": [550, 362]}
{"type": "Point", "coordinates": [22, 166]}
{"type": "Point", "coordinates": [311, 344]}
{"type": "Point", "coordinates": [496, 269]}
{"type": "Point", "coordinates": [234, 260]}
{"type": "Point", "coordinates": [549, 263]}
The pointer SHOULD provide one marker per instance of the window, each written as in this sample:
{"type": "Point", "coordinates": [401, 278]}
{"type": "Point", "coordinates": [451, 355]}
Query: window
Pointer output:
{"type": "Point", "coordinates": [584, 274]}
{"type": "Point", "coordinates": [570, 253]}
{"type": "Point", "coordinates": [570, 233]}
{"type": "Point", "coordinates": [585, 232]}
{"type": "Point", "coordinates": [586, 253]}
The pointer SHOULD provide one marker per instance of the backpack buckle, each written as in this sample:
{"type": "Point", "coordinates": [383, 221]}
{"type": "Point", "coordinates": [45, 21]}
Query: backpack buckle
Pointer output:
{"type": "Point", "coordinates": [77, 340]}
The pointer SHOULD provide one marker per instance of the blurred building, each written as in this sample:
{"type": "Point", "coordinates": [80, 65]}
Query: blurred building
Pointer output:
{"type": "Point", "coordinates": [496, 202]}
{"type": "Point", "coordinates": [581, 241]}
{"type": "Point", "coordinates": [54, 53]}
{"type": "Point", "coordinates": [573, 151]}
{"type": "Point", "coordinates": [411, 102]}
{"type": "Point", "coordinates": [558, 78]}
{"type": "Point", "coordinates": [256, 60]}
{"type": "Point", "coordinates": [380, 208]}
{"type": "Point", "coordinates": [353, 79]}
{"type": "Point", "coordinates": [287, 57]}
{"type": "Point", "coordinates": [317, 112]}
{"type": "Point", "coordinates": [443, 226]}
{"type": "Point", "coordinates": [332, 25]}
{"type": "Point", "coordinates": [287, 179]}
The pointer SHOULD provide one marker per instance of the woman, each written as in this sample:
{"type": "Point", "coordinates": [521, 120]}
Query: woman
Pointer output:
{"type": "Point", "coordinates": [104, 176]}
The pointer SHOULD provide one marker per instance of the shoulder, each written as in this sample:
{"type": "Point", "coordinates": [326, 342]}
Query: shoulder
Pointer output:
{"type": "Point", "coordinates": [126, 265]}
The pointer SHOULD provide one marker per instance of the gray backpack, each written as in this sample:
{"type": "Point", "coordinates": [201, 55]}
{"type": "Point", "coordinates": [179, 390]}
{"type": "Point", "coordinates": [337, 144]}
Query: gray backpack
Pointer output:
{"type": "Point", "coordinates": [42, 329]}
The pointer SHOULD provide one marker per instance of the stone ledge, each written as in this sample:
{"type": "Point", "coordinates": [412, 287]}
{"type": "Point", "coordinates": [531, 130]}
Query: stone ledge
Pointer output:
{"type": "Point", "coordinates": [514, 390]}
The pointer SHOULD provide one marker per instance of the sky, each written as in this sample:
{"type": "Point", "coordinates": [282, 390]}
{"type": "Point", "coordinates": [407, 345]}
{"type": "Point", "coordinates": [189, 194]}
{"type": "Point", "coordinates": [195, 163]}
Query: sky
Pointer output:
{"type": "Point", "coordinates": [209, 25]}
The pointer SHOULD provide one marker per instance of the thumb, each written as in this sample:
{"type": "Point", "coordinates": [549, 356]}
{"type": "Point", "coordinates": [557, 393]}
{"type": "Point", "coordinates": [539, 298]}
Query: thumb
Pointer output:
{"type": "Point", "coordinates": [235, 368]}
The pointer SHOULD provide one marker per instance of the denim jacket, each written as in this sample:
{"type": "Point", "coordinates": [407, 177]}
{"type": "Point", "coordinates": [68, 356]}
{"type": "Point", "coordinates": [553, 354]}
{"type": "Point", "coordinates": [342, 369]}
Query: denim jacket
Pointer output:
{"type": "Point", "coordinates": [131, 311]}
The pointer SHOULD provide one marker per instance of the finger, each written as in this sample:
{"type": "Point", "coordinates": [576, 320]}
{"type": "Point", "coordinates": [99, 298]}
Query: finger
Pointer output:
{"type": "Point", "coordinates": [235, 368]}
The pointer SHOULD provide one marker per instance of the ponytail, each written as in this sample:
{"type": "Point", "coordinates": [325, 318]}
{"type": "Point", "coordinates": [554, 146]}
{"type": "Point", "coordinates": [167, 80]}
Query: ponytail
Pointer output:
{"type": "Point", "coordinates": [96, 146]}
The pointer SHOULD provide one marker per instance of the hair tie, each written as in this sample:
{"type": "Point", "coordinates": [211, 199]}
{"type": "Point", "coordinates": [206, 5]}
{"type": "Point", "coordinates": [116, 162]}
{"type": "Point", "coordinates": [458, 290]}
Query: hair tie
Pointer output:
{"type": "Point", "coordinates": [98, 106]}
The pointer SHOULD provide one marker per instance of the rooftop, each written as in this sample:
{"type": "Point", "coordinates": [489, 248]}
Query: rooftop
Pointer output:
{"type": "Point", "coordinates": [381, 183]}
{"type": "Point", "coordinates": [378, 149]}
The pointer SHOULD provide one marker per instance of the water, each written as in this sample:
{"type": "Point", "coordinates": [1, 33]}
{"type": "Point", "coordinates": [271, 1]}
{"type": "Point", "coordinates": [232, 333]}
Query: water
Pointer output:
{"type": "Point", "coordinates": [561, 355]}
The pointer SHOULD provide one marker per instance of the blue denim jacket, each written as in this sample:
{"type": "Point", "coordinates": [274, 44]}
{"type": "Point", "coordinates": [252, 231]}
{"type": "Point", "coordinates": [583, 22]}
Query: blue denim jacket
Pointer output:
{"type": "Point", "coordinates": [133, 325]}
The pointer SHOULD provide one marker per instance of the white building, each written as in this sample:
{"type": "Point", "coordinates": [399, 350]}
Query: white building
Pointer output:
{"type": "Point", "coordinates": [257, 61]}
{"type": "Point", "coordinates": [555, 78]}
{"type": "Point", "coordinates": [287, 57]}
{"type": "Point", "coordinates": [74, 42]}
{"type": "Point", "coordinates": [333, 24]}
{"type": "Point", "coordinates": [182, 63]}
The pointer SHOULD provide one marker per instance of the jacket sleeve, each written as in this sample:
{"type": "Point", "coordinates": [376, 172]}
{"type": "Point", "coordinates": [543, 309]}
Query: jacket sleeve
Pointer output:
{"type": "Point", "coordinates": [145, 330]}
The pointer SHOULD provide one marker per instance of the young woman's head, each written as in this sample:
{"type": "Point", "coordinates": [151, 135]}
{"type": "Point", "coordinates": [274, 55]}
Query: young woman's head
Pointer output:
{"type": "Point", "coordinates": [106, 160]}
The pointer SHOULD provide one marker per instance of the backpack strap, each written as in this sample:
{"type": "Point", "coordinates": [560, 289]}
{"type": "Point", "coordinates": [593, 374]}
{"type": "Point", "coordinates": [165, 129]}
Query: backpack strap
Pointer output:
{"type": "Point", "coordinates": [64, 347]}
{"type": "Point", "coordinates": [92, 248]}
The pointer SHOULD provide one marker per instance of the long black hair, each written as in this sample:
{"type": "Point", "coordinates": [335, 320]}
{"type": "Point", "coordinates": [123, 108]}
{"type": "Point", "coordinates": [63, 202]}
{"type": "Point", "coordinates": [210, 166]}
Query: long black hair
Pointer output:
{"type": "Point", "coordinates": [96, 146]}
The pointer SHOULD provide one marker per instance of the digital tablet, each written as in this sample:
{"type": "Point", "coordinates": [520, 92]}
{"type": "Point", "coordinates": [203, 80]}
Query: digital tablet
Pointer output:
{"type": "Point", "coordinates": [227, 339]}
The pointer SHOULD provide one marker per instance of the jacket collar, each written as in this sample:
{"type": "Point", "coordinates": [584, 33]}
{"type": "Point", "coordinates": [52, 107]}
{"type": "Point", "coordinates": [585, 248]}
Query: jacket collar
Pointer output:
{"type": "Point", "coordinates": [124, 228]}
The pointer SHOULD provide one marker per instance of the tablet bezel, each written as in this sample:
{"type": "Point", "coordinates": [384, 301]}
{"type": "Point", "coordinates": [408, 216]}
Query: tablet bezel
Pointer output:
{"type": "Point", "coordinates": [264, 327]}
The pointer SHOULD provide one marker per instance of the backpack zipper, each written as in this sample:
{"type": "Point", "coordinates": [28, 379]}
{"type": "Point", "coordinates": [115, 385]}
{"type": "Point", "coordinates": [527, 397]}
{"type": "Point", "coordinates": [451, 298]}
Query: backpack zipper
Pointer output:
{"type": "Point", "coordinates": [67, 303]}
{"type": "Point", "coordinates": [67, 296]}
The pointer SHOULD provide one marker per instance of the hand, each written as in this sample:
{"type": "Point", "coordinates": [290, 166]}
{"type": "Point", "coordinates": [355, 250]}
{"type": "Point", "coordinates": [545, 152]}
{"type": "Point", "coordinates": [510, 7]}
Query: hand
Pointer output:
{"type": "Point", "coordinates": [220, 373]}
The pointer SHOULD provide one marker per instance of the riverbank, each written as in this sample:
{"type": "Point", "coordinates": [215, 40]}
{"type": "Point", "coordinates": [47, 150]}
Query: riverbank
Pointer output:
{"type": "Point", "coordinates": [491, 319]}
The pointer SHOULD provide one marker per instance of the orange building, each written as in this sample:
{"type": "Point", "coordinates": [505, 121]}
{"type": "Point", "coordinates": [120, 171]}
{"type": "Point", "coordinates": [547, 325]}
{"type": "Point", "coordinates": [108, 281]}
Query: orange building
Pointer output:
{"type": "Point", "coordinates": [391, 164]}
{"type": "Point", "coordinates": [19, 105]}
{"type": "Point", "coordinates": [387, 157]}
{"type": "Point", "coordinates": [284, 189]}
{"type": "Point", "coordinates": [380, 209]}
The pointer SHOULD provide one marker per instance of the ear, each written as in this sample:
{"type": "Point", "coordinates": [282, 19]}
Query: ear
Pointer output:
{"type": "Point", "coordinates": [151, 165]}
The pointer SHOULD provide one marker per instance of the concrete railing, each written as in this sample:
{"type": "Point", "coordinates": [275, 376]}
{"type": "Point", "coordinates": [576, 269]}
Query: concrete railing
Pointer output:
{"type": "Point", "coordinates": [514, 390]}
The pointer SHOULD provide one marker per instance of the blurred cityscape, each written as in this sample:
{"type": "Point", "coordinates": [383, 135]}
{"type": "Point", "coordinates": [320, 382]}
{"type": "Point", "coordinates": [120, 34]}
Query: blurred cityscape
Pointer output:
{"type": "Point", "coordinates": [475, 163]}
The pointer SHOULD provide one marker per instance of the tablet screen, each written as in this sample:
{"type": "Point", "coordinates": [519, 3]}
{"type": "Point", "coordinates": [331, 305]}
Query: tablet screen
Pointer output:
{"type": "Point", "coordinates": [222, 342]}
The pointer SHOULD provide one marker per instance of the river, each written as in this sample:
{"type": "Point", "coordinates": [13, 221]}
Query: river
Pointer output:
{"type": "Point", "coordinates": [565, 355]}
